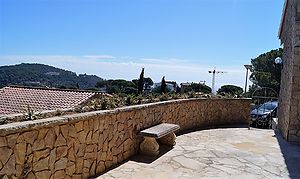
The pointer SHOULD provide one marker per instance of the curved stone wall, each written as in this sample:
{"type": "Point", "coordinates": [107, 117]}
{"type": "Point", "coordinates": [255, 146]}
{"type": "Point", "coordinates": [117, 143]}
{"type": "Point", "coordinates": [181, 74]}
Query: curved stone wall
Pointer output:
{"type": "Point", "coordinates": [86, 144]}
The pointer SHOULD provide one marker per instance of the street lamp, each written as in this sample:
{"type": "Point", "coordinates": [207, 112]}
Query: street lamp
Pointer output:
{"type": "Point", "coordinates": [279, 61]}
{"type": "Point", "coordinates": [248, 67]}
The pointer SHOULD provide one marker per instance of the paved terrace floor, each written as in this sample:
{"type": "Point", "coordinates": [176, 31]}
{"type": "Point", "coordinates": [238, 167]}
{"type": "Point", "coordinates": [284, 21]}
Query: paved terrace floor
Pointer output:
{"type": "Point", "coordinates": [218, 153]}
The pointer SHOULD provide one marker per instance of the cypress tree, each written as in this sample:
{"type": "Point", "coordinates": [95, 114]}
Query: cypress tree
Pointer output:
{"type": "Point", "coordinates": [163, 85]}
{"type": "Point", "coordinates": [141, 82]}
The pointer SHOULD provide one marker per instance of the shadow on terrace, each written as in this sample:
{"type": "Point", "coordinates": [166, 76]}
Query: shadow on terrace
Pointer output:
{"type": "Point", "coordinates": [291, 154]}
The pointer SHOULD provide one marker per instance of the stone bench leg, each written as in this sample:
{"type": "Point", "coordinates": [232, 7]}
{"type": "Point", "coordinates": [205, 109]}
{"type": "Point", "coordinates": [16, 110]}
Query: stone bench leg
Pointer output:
{"type": "Point", "coordinates": [149, 146]}
{"type": "Point", "coordinates": [168, 139]}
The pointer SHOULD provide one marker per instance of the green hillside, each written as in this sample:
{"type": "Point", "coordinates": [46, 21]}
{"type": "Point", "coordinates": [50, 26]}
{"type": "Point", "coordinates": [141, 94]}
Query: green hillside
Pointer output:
{"type": "Point", "coordinates": [40, 75]}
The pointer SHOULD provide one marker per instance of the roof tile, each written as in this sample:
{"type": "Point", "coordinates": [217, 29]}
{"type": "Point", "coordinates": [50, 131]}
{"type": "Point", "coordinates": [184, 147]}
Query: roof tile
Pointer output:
{"type": "Point", "coordinates": [16, 99]}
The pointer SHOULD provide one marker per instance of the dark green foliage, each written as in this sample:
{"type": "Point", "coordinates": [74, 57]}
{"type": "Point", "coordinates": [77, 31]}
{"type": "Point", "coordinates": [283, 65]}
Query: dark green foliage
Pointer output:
{"type": "Point", "coordinates": [178, 89]}
{"type": "Point", "coordinates": [262, 95]}
{"type": "Point", "coordinates": [113, 89]}
{"type": "Point", "coordinates": [139, 99]}
{"type": "Point", "coordinates": [88, 81]}
{"type": "Point", "coordinates": [129, 100]}
{"type": "Point", "coordinates": [163, 86]}
{"type": "Point", "coordinates": [130, 90]}
{"type": "Point", "coordinates": [120, 83]}
{"type": "Point", "coordinates": [62, 87]}
{"type": "Point", "coordinates": [101, 84]}
{"type": "Point", "coordinates": [148, 82]}
{"type": "Point", "coordinates": [141, 82]}
{"type": "Point", "coordinates": [157, 89]}
{"type": "Point", "coordinates": [40, 75]}
{"type": "Point", "coordinates": [265, 72]}
{"type": "Point", "coordinates": [197, 87]}
{"type": "Point", "coordinates": [230, 89]}
{"type": "Point", "coordinates": [135, 81]}
{"type": "Point", "coordinates": [118, 86]}
{"type": "Point", "coordinates": [104, 104]}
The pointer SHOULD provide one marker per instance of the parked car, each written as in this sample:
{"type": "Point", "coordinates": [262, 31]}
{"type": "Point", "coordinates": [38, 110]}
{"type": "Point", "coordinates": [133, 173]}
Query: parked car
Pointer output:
{"type": "Point", "coordinates": [262, 116]}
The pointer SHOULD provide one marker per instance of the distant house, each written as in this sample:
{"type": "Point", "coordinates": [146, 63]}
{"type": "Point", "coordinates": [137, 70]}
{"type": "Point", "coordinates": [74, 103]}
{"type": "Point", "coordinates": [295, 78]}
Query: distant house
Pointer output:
{"type": "Point", "coordinates": [171, 85]}
{"type": "Point", "coordinates": [184, 86]}
{"type": "Point", "coordinates": [15, 100]}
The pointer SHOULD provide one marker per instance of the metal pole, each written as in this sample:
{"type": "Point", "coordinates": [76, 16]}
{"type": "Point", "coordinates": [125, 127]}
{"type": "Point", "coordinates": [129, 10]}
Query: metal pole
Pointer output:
{"type": "Point", "coordinates": [213, 82]}
{"type": "Point", "coordinates": [246, 80]}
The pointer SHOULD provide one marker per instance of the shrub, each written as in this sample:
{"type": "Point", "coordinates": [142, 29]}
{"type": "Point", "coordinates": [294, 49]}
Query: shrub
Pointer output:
{"type": "Point", "coordinates": [104, 104]}
{"type": "Point", "coordinates": [129, 100]}
{"type": "Point", "coordinates": [30, 114]}
{"type": "Point", "coordinates": [164, 97]}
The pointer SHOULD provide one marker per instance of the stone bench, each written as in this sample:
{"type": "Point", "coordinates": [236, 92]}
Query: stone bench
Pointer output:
{"type": "Point", "coordinates": [163, 132]}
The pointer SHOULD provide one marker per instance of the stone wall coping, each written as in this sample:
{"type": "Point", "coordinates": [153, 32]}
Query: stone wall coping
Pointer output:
{"type": "Point", "coordinates": [28, 125]}
{"type": "Point", "coordinates": [72, 118]}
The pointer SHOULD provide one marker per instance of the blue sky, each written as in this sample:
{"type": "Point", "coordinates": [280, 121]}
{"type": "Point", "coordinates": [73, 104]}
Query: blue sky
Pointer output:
{"type": "Point", "coordinates": [181, 39]}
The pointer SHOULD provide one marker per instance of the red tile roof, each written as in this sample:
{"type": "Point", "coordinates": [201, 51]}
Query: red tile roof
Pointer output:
{"type": "Point", "coordinates": [16, 99]}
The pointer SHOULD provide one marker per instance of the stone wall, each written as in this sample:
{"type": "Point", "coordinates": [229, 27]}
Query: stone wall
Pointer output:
{"type": "Point", "coordinates": [86, 144]}
{"type": "Point", "coordinates": [289, 101]}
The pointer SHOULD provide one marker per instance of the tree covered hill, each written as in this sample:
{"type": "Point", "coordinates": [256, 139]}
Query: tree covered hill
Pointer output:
{"type": "Point", "coordinates": [31, 74]}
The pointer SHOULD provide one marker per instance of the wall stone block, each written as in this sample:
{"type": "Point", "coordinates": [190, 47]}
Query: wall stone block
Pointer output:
{"type": "Point", "coordinates": [71, 154]}
{"type": "Point", "coordinates": [38, 144]}
{"type": "Point", "coordinates": [52, 158]}
{"type": "Point", "coordinates": [10, 167]}
{"type": "Point", "coordinates": [80, 149]}
{"type": "Point", "coordinates": [89, 137]}
{"type": "Point", "coordinates": [12, 140]}
{"type": "Point", "coordinates": [100, 167]}
{"type": "Point", "coordinates": [30, 136]}
{"type": "Point", "coordinates": [70, 142]}
{"type": "Point", "coordinates": [42, 133]}
{"type": "Point", "coordinates": [65, 131]}
{"type": "Point", "coordinates": [5, 153]}
{"type": "Point", "coordinates": [60, 141]}
{"type": "Point", "coordinates": [91, 148]}
{"type": "Point", "coordinates": [81, 136]}
{"type": "Point", "coordinates": [20, 151]}
{"type": "Point", "coordinates": [72, 131]}
{"type": "Point", "coordinates": [43, 174]}
{"type": "Point", "coordinates": [79, 165]}
{"type": "Point", "coordinates": [37, 155]}
{"type": "Point", "coordinates": [95, 137]}
{"type": "Point", "coordinates": [61, 152]}
{"type": "Point", "coordinates": [61, 174]}
{"type": "Point", "coordinates": [61, 164]}
{"type": "Point", "coordinates": [42, 164]}
{"type": "Point", "coordinates": [3, 141]}
{"type": "Point", "coordinates": [86, 126]}
{"type": "Point", "coordinates": [70, 170]}
{"type": "Point", "coordinates": [19, 170]}
{"type": "Point", "coordinates": [91, 155]}
{"type": "Point", "coordinates": [79, 126]}
{"type": "Point", "coordinates": [50, 138]}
